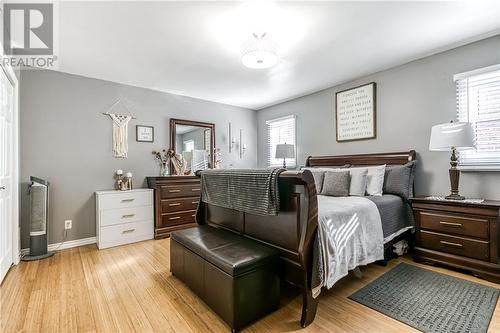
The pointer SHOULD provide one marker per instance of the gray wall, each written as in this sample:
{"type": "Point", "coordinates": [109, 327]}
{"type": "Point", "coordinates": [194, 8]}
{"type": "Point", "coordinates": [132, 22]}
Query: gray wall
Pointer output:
{"type": "Point", "coordinates": [66, 139]}
{"type": "Point", "coordinates": [410, 99]}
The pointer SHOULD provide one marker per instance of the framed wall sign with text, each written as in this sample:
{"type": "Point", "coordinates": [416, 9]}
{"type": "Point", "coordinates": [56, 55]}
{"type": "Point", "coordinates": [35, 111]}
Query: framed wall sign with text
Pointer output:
{"type": "Point", "coordinates": [355, 113]}
{"type": "Point", "coordinates": [145, 133]}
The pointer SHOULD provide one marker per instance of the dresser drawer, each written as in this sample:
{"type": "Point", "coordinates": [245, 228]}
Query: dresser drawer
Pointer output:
{"type": "Point", "coordinates": [126, 215]}
{"type": "Point", "coordinates": [462, 246]}
{"type": "Point", "coordinates": [125, 199]}
{"type": "Point", "coordinates": [172, 219]}
{"type": "Point", "coordinates": [176, 191]}
{"type": "Point", "coordinates": [449, 223]}
{"type": "Point", "coordinates": [181, 204]}
{"type": "Point", "coordinates": [125, 233]}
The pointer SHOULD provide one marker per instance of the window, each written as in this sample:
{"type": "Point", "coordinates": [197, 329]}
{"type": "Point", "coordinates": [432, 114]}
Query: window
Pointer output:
{"type": "Point", "coordinates": [478, 102]}
{"type": "Point", "coordinates": [189, 145]}
{"type": "Point", "coordinates": [281, 130]}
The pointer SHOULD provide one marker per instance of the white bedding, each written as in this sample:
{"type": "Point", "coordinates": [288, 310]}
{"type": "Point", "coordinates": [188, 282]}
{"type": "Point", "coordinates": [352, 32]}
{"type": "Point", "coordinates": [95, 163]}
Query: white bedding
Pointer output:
{"type": "Point", "coordinates": [350, 235]}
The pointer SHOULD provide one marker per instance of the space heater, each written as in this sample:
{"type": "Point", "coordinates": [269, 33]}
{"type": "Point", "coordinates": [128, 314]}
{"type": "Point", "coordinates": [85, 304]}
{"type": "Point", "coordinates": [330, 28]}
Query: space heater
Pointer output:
{"type": "Point", "coordinates": [39, 215]}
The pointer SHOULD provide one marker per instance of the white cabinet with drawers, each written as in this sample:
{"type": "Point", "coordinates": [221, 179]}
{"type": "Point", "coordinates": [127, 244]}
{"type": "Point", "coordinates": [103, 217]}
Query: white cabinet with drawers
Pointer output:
{"type": "Point", "coordinates": [124, 217]}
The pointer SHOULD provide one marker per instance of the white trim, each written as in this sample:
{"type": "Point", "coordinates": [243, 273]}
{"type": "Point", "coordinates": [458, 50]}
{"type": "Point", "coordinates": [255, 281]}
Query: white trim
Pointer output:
{"type": "Point", "coordinates": [66, 245]}
{"type": "Point", "coordinates": [468, 168]}
{"type": "Point", "coordinates": [16, 227]}
{"type": "Point", "coordinates": [478, 71]}
{"type": "Point", "coordinates": [281, 118]}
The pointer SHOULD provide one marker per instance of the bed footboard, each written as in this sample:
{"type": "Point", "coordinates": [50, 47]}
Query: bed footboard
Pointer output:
{"type": "Point", "coordinates": [292, 231]}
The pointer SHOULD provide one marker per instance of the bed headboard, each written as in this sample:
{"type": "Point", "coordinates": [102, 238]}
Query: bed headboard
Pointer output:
{"type": "Point", "coordinates": [362, 159]}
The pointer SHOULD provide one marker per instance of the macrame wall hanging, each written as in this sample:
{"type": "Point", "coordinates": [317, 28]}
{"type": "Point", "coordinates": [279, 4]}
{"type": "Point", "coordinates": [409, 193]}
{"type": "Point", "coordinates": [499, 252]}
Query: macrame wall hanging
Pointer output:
{"type": "Point", "coordinates": [120, 130]}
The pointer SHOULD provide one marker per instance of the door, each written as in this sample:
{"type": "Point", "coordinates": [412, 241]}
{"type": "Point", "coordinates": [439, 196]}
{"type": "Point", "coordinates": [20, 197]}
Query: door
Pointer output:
{"type": "Point", "coordinates": [7, 144]}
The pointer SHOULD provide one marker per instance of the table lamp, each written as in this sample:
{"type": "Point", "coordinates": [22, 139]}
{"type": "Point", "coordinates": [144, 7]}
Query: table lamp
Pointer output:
{"type": "Point", "coordinates": [453, 137]}
{"type": "Point", "coordinates": [285, 151]}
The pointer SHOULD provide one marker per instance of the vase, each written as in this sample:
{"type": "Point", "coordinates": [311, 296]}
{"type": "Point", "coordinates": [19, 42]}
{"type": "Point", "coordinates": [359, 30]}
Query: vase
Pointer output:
{"type": "Point", "coordinates": [163, 169]}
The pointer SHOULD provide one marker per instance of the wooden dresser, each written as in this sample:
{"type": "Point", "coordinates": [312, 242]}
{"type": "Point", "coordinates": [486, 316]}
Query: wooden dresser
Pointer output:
{"type": "Point", "coordinates": [176, 200]}
{"type": "Point", "coordinates": [459, 234]}
{"type": "Point", "coordinates": [123, 217]}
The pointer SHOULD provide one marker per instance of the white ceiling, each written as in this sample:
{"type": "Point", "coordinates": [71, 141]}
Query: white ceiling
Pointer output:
{"type": "Point", "coordinates": [193, 48]}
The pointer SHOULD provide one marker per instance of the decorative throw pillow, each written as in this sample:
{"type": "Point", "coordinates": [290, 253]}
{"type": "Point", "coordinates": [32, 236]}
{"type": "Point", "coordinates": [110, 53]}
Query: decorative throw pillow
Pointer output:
{"type": "Point", "coordinates": [358, 182]}
{"type": "Point", "coordinates": [319, 173]}
{"type": "Point", "coordinates": [398, 179]}
{"type": "Point", "coordinates": [375, 179]}
{"type": "Point", "coordinates": [336, 183]}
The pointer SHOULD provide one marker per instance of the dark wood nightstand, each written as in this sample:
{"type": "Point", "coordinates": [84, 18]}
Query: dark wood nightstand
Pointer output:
{"type": "Point", "coordinates": [459, 234]}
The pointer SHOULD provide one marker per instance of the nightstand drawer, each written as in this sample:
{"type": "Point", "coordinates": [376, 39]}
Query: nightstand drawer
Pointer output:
{"type": "Point", "coordinates": [462, 246]}
{"type": "Point", "coordinates": [172, 219]}
{"type": "Point", "coordinates": [450, 223]}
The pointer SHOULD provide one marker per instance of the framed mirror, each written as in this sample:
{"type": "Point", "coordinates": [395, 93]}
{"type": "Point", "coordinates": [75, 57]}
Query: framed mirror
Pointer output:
{"type": "Point", "coordinates": [194, 145]}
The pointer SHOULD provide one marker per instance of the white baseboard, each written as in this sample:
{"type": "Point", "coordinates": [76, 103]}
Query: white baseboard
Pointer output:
{"type": "Point", "coordinates": [66, 245]}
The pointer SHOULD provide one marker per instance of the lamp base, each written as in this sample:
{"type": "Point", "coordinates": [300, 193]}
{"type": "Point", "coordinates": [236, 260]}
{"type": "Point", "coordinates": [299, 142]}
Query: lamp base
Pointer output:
{"type": "Point", "coordinates": [454, 197]}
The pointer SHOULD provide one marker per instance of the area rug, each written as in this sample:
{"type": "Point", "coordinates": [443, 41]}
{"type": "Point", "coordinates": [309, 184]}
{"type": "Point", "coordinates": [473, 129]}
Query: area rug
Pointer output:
{"type": "Point", "coordinates": [430, 301]}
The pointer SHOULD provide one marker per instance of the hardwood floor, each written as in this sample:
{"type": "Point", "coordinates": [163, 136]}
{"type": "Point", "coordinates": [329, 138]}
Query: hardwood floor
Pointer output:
{"type": "Point", "coordinates": [130, 288]}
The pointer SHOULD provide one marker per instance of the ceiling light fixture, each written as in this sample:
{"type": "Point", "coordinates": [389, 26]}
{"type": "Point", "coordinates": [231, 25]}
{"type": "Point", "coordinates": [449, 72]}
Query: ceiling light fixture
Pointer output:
{"type": "Point", "coordinates": [259, 52]}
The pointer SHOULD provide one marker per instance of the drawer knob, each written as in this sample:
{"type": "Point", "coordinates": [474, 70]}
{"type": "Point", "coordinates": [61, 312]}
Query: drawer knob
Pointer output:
{"type": "Point", "coordinates": [127, 216]}
{"type": "Point", "coordinates": [194, 202]}
{"type": "Point", "coordinates": [195, 189]}
{"type": "Point", "coordinates": [128, 200]}
{"type": "Point", "coordinates": [173, 191]}
{"type": "Point", "coordinates": [128, 231]}
{"type": "Point", "coordinates": [451, 244]}
{"type": "Point", "coordinates": [174, 204]}
{"type": "Point", "coordinates": [451, 224]}
{"type": "Point", "coordinates": [174, 218]}
{"type": "Point", "coordinates": [193, 215]}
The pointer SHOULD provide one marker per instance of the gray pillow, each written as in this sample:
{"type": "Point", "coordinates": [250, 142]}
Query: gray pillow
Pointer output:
{"type": "Point", "coordinates": [336, 183]}
{"type": "Point", "coordinates": [359, 180]}
{"type": "Point", "coordinates": [398, 179]}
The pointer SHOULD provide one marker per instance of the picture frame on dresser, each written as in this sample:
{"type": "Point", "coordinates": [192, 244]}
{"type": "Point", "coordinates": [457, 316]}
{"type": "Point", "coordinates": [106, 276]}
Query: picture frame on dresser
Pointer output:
{"type": "Point", "coordinates": [459, 234]}
{"type": "Point", "coordinates": [356, 113]}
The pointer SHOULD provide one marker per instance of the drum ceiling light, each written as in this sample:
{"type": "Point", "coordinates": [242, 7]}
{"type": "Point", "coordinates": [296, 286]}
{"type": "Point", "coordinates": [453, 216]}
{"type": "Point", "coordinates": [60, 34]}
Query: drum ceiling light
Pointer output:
{"type": "Point", "coordinates": [259, 52]}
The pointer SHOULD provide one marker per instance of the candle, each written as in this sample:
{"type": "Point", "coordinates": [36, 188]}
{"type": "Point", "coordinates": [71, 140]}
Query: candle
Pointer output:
{"type": "Point", "coordinates": [119, 172]}
{"type": "Point", "coordinates": [129, 174]}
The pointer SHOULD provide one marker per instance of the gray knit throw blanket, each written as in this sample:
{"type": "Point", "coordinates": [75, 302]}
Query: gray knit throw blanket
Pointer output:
{"type": "Point", "coordinates": [253, 191]}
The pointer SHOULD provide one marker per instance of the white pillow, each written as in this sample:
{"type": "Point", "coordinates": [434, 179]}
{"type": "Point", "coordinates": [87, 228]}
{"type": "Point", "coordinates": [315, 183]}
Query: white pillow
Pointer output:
{"type": "Point", "coordinates": [358, 182]}
{"type": "Point", "coordinates": [375, 179]}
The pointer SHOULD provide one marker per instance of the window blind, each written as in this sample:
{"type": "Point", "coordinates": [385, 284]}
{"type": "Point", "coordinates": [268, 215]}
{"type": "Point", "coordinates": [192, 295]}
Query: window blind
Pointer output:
{"type": "Point", "coordinates": [478, 102]}
{"type": "Point", "coordinates": [281, 130]}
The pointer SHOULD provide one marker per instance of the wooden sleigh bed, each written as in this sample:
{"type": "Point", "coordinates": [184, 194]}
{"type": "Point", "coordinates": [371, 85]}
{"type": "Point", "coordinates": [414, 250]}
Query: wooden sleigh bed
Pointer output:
{"type": "Point", "coordinates": [293, 230]}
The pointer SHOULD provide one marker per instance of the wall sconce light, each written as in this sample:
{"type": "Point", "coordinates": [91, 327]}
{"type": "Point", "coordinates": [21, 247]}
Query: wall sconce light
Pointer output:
{"type": "Point", "coordinates": [232, 141]}
{"type": "Point", "coordinates": [243, 146]}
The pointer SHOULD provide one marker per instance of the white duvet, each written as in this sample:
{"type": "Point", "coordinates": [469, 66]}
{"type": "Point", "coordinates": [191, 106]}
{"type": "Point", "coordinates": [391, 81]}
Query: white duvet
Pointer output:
{"type": "Point", "coordinates": [350, 235]}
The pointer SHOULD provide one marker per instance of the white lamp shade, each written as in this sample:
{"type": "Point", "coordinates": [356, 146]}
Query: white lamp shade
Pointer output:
{"type": "Point", "coordinates": [285, 151]}
{"type": "Point", "coordinates": [446, 136]}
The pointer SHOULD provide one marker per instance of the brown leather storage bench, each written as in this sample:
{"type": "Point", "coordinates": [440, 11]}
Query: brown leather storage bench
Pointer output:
{"type": "Point", "coordinates": [237, 277]}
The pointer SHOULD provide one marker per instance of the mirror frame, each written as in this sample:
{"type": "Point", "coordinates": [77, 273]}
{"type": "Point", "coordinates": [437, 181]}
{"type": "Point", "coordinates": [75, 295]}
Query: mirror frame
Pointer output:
{"type": "Point", "coordinates": [174, 122]}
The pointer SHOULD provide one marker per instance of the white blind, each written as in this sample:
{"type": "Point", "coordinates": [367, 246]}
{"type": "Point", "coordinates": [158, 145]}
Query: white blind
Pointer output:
{"type": "Point", "coordinates": [478, 102]}
{"type": "Point", "coordinates": [281, 130]}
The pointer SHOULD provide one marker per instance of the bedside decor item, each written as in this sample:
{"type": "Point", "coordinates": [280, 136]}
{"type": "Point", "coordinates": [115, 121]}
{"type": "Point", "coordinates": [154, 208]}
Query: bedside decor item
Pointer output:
{"type": "Point", "coordinates": [355, 113]}
{"type": "Point", "coordinates": [163, 158]}
{"type": "Point", "coordinates": [129, 181]}
{"type": "Point", "coordinates": [243, 146]}
{"type": "Point", "coordinates": [123, 217]}
{"type": "Point", "coordinates": [457, 233]}
{"type": "Point", "coordinates": [453, 137]}
{"type": "Point", "coordinates": [144, 133]}
{"type": "Point", "coordinates": [120, 130]}
{"type": "Point", "coordinates": [285, 151]}
{"type": "Point", "coordinates": [218, 158]}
